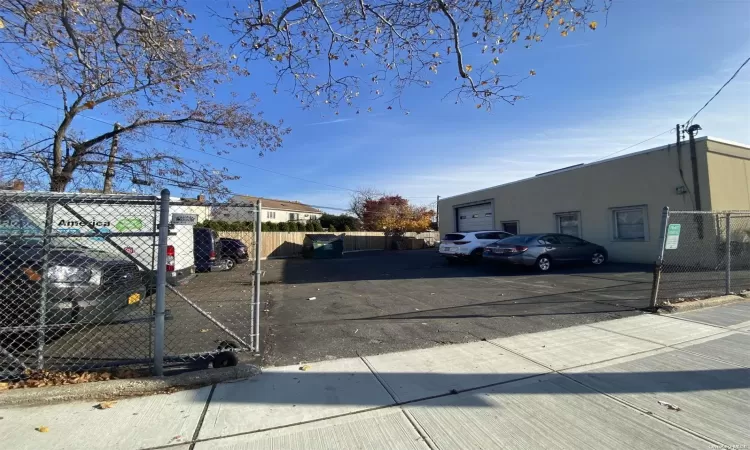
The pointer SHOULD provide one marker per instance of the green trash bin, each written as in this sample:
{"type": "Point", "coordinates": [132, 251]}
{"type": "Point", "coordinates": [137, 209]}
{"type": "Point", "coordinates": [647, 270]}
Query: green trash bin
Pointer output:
{"type": "Point", "coordinates": [323, 246]}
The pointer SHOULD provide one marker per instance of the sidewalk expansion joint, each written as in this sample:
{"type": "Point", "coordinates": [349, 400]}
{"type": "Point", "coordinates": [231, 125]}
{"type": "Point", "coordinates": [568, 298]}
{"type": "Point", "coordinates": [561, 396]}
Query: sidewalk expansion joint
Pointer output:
{"type": "Point", "coordinates": [672, 347]}
{"type": "Point", "coordinates": [414, 422]}
{"type": "Point", "coordinates": [684, 319]}
{"type": "Point", "coordinates": [199, 425]}
{"type": "Point", "coordinates": [618, 399]}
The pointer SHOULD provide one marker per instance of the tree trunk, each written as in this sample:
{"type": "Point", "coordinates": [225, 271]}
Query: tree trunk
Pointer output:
{"type": "Point", "coordinates": [109, 174]}
{"type": "Point", "coordinates": [59, 178]}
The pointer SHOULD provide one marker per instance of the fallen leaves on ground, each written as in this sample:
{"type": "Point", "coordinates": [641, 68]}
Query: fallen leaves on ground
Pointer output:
{"type": "Point", "coordinates": [42, 429]}
{"type": "Point", "coordinates": [42, 378]}
{"type": "Point", "coordinates": [105, 405]}
{"type": "Point", "coordinates": [669, 406]}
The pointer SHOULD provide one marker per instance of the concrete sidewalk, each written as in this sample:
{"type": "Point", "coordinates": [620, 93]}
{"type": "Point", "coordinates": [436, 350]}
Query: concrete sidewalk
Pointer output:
{"type": "Point", "coordinates": [680, 381]}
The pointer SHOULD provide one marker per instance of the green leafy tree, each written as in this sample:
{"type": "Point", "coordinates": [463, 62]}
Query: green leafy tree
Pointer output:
{"type": "Point", "coordinates": [346, 228]}
{"type": "Point", "coordinates": [282, 226]}
{"type": "Point", "coordinates": [339, 221]}
{"type": "Point", "coordinates": [309, 226]}
{"type": "Point", "coordinates": [293, 226]}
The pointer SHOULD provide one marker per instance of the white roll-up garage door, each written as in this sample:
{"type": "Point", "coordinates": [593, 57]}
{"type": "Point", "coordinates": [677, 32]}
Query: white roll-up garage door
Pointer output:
{"type": "Point", "coordinates": [475, 217]}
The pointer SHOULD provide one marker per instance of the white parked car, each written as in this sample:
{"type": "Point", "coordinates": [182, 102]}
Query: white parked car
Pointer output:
{"type": "Point", "coordinates": [468, 245]}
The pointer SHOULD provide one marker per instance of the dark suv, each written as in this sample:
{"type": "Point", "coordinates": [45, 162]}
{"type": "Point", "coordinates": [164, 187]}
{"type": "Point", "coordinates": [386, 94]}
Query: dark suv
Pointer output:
{"type": "Point", "coordinates": [80, 285]}
{"type": "Point", "coordinates": [207, 250]}
{"type": "Point", "coordinates": [234, 251]}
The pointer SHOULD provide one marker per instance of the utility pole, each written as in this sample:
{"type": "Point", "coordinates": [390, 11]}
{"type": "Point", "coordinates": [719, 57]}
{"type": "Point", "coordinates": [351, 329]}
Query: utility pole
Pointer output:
{"type": "Point", "coordinates": [437, 213]}
{"type": "Point", "coordinates": [109, 174]}
{"type": "Point", "coordinates": [696, 183]}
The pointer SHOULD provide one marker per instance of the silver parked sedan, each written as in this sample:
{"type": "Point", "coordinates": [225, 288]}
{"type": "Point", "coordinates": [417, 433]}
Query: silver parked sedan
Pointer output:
{"type": "Point", "coordinates": [545, 250]}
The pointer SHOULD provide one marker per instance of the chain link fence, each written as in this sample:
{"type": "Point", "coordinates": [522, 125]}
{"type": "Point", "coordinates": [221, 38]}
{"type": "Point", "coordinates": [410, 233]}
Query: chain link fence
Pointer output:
{"type": "Point", "coordinates": [91, 281]}
{"type": "Point", "coordinates": [703, 254]}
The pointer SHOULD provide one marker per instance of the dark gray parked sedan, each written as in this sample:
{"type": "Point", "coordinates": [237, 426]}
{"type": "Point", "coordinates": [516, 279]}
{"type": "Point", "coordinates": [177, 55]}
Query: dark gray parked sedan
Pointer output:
{"type": "Point", "coordinates": [545, 250]}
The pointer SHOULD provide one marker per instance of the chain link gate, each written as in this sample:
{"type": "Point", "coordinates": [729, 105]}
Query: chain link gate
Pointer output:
{"type": "Point", "coordinates": [220, 303]}
{"type": "Point", "coordinates": [79, 290]}
{"type": "Point", "coordinates": [703, 254]}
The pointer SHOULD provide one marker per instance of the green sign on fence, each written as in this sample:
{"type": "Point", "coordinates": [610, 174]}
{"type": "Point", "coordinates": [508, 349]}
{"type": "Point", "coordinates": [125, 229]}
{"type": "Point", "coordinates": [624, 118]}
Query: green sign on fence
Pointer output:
{"type": "Point", "coordinates": [673, 236]}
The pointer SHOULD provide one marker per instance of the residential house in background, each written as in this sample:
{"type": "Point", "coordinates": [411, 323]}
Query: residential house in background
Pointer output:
{"type": "Point", "coordinates": [274, 210]}
{"type": "Point", "coordinates": [615, 202]}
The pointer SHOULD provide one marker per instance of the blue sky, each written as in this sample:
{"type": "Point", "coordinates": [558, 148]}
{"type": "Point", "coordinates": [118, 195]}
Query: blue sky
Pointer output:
{"type": "Point", "coordinates": [653, 65]}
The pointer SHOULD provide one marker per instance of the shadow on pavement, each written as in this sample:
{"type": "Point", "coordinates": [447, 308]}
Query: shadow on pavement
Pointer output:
{"type": "Point", "coordinates": [425, 264]}
{"type": "Point", "coordinates": [305, 388]}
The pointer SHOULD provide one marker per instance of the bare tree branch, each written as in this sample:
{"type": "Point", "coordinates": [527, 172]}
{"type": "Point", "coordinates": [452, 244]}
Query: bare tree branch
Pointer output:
{"type": "Point", "coordinates": [140, 59]}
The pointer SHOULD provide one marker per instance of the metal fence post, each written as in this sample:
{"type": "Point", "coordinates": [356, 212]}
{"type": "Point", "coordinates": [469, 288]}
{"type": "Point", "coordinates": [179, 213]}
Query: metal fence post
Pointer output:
{"type": "Point", "coordinates": [728, 276]}
{"type": "Point", "coordinates": [256, 282]}
{"type": "Point", "coordinates": [46, 241]}
{"type": "Point", "coordinates": [161, 281]}
{"type": "Point", "coordinates": [660, 260]}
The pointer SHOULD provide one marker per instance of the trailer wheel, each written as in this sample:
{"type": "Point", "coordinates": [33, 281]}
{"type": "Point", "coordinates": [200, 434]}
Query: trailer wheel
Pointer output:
{"type": "Point", "coordinates": [225, 359]}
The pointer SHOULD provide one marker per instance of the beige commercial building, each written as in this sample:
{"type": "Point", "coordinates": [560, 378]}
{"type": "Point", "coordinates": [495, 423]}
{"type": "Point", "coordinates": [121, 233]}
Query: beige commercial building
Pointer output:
{"type": "Point", "coordinates": [616, 202]}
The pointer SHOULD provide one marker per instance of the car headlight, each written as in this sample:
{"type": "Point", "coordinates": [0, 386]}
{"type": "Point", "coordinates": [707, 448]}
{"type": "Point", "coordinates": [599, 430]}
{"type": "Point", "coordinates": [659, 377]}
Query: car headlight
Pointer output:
{"type": "Point", "coordinates": [69, 274]}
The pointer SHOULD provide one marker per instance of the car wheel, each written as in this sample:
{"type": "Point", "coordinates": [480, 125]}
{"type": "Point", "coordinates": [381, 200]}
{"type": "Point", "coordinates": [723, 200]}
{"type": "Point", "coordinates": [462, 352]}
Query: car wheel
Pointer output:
{"type": "Point", "coordinates": [598, 258]}
{"type": "Point", "coordinates": [476, 256]}
{"type": "Point", "coordinates": [229, 263]}
{"type": "Point", "coordinates": [544, 263]}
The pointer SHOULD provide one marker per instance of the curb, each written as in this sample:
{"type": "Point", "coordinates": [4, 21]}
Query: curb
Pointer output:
{"type": "Point", "coordinates": [699, 304]}
{"type": "Point", "coordinates": [108, 390]}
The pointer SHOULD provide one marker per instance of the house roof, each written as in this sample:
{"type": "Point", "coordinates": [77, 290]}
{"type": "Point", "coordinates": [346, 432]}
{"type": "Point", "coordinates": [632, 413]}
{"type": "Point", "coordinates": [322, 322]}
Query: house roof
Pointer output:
{"type": "Point", "coordinates": [281, 205]}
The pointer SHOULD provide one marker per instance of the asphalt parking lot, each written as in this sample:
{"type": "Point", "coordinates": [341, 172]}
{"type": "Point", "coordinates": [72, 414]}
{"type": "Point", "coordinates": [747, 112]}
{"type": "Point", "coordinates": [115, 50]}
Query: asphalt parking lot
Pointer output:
{"type": "Point", "coordinates": [376, 302]}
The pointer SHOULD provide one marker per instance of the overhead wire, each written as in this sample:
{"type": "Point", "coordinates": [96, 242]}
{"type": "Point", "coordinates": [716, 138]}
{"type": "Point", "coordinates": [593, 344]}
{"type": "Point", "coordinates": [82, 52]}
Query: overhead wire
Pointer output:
{"type": "Point", "coordinates": [690, 121]}
{"type": "Point", "coordinates": [634, 145]}
{"type": "Point", "coordinates": [188, 147]}
{"type": "Point", "coordinates": [96, 119]}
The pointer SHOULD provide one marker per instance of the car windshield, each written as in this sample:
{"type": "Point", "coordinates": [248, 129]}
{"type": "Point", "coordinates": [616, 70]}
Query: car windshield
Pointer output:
{"type": "Point", "coordinates": [518, 239]}
{"type": "Point", "coordinates": [453, 237]}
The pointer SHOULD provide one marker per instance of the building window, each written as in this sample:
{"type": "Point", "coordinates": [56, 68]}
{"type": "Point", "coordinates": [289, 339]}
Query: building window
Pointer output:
{"type": "Point", "coordinates": [487, 214]}
{"type": "Point", "coordinates": [293, 216]}
{"type": "Point", "coordinates": [510, 226]}
{"type": "Point", "coordinates": [462, 217]}
{"type": "Point", "coordinates": [475, 216]}
{"type": "Point", "coordinates": [569, 223]}
{"type": "Point", "coordinates": [270, 214]}
{"type": "Point", "coordinates": [630, 223]}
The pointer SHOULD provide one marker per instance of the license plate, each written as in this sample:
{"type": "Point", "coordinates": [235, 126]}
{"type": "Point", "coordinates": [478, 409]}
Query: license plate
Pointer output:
{"type": "Point", "coordinates": [134, 298]}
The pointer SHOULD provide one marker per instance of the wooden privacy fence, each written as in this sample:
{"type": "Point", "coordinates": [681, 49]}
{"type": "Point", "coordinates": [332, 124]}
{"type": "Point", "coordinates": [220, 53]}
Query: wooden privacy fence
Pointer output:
{"type": "Point", "coordinates": [280, 244]}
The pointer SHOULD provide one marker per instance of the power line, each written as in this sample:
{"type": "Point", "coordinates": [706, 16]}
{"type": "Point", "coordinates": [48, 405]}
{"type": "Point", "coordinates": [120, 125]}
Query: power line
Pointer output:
{"type": "Point", "coordinates": [189, 148]}
{"type": "Point", "coordinates": [634, 145]}
{"type": "Point", "coordinates": [96, 119]}
{"type": "Point", "coordinates": [717, 93]}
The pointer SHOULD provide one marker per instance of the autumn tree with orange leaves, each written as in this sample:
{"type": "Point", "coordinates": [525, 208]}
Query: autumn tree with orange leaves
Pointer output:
{"type": "Point", "coordinates": [395, 216]}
